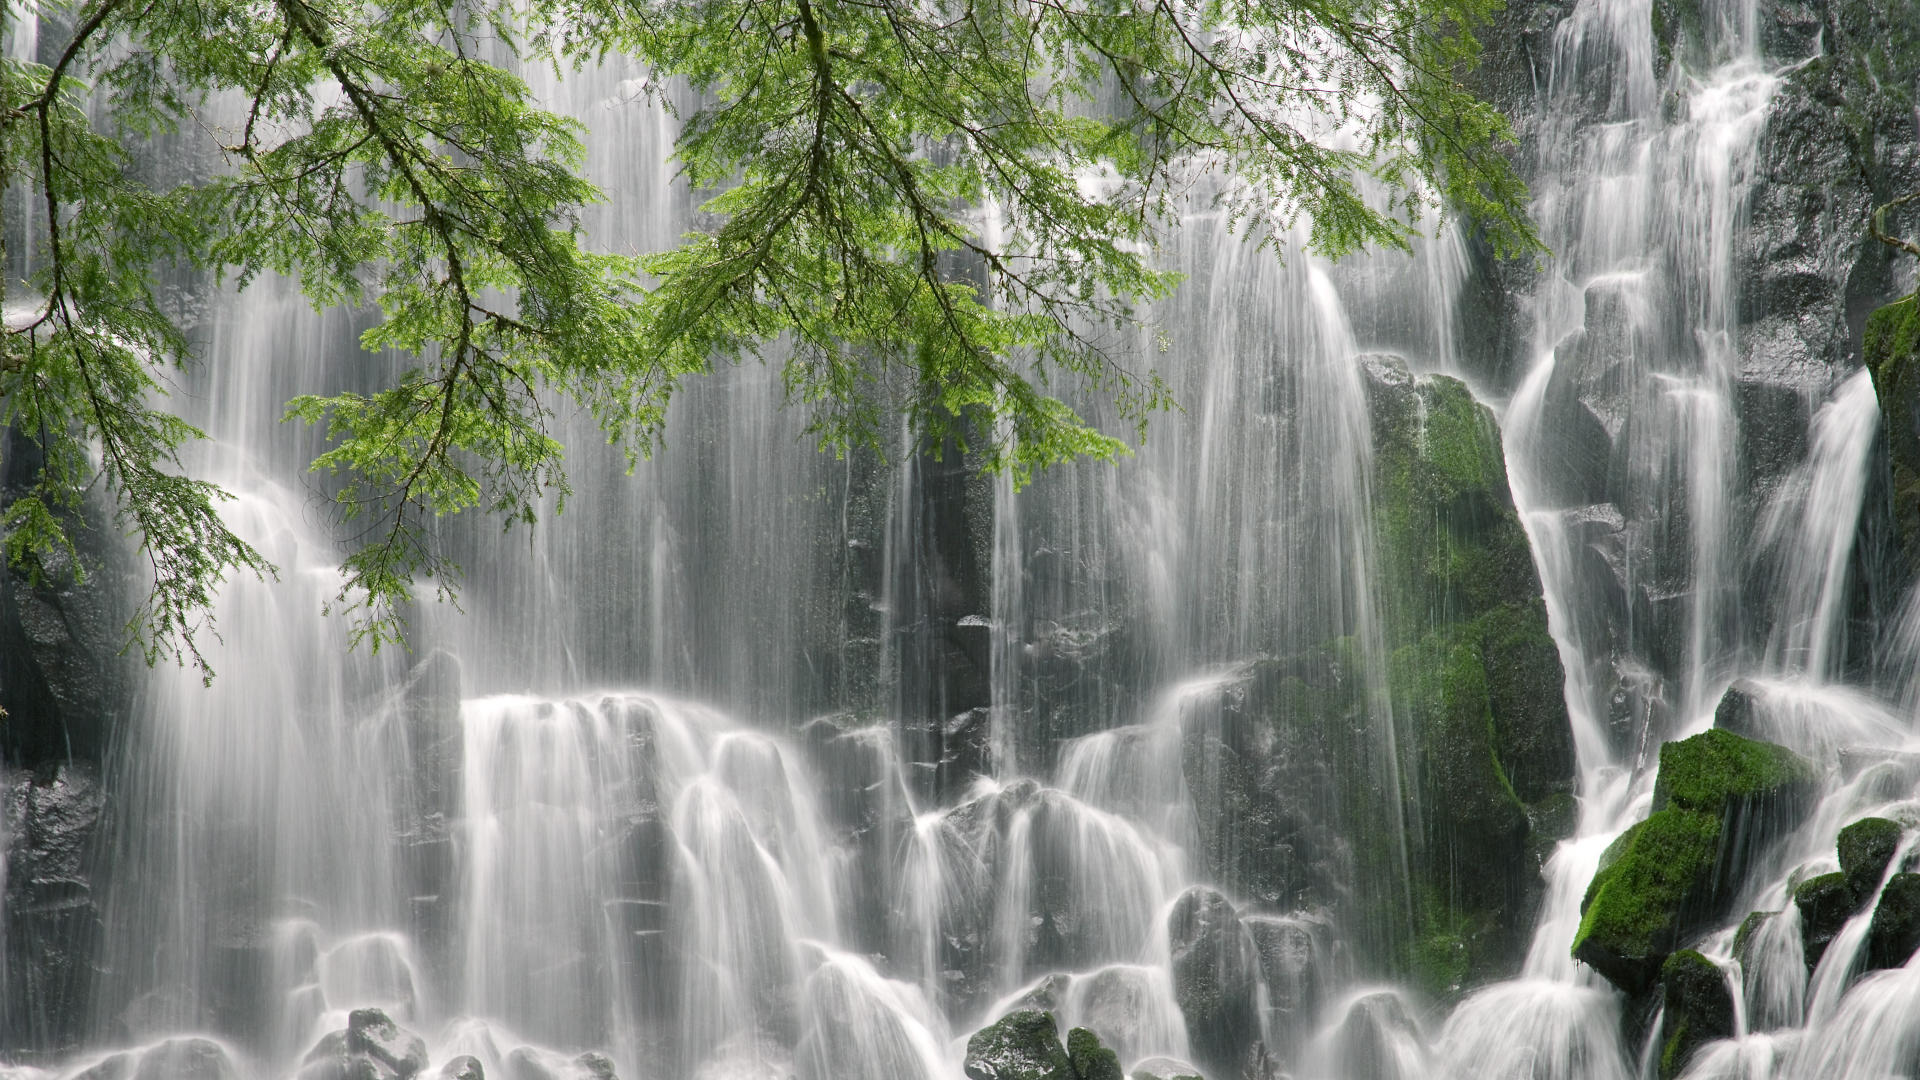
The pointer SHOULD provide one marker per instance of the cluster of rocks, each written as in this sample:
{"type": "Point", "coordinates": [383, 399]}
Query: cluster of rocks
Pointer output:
{"type": "Point", "coordinates": [373, 1047]}
{"type": "Point", "coordinates": [1025, 1045]}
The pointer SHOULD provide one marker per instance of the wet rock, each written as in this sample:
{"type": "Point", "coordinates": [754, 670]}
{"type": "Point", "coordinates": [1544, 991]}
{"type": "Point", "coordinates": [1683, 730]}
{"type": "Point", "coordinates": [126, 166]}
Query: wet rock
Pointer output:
{"type": "Point", "coordinates": [1165, 1068]}
{"type": "Point", "coordinates": [1892, 353]}
{"type": "Point", "coordinates": [1738, 709]}
{"type": "Point", "coordinates": [1377, 1038]}
{"type": "Point", "coordinates": [51, 913]}
{"type": "Point", "coordinates": [1895, 932]}
{"type": "Point", "coordinates": [464, 1067]}
{"type": "Point", "coordinates": [1292, 967]}
{"type": "Point", "coordinates": [186, 1059]}
{"type": "Point", "coordinates": [1719, 800]}
{"type": "Point", "coordinates": [1023, 1045]}
{"type": "Point", "coordinates": [1090, 1060]}
{"type": "Point", "coordinates": [1215, 978]}
{"type": "Point", "coordinates": [1865, 848]}
{"type": "Point", "coordinates": [1749, 926]}
{"type": "Point", "coordinates": [1826, 903]}
{"type": "Point", "coordinates": [1699, 1009]}
{"type": "Point", "coordinates": [527, 1063]}
{"type": "Point", "coordinates": [371, 1047]}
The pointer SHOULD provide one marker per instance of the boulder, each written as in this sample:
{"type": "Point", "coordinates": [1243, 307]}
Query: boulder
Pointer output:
{"type": "Point", "coordinates": [1866, 847]}
{"type": "Point", "coordinates": [464, 1067]}
{"type": "Point", "coordinates": [1749, 926]}
{"type": "Point", "coordinates": [1895, 932]}
{"type": "Point", "coordinates": [372, 1047]}
{"type": "Point", "coordinates": [1022, 1045]}
{"type": "Point", "coordinates": [1090, 1060]}
{"type": "Point", "coordinates": [1826, 902]}
{"type": "Point", "coordinates": [1216, 973]}
{"type": "Point", "coordinates": [1719, 800]}
{"type": "Point", "coordinates": [1699, 1009]}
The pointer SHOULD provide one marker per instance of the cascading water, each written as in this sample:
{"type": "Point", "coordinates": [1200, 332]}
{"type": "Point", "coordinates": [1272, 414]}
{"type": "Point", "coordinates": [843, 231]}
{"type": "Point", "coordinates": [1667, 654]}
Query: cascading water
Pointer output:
{"type": "Point", "coordinates": [917, 749]}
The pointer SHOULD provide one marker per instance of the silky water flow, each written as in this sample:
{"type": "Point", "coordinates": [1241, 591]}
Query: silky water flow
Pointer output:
{"type": "Point", "coordinates": [714, 870]}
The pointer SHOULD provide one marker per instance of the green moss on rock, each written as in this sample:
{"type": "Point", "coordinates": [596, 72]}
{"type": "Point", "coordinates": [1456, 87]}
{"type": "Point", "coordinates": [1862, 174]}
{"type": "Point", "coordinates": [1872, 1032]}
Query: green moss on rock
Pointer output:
{"type": "Point", "coordinates": [1895, 932]}
{"type": "Point", "coordinates": [1715, 771]}
{"type": "Point", "coordinates": [1825, 903]}
{"type": "Point", "coordinates": [1866, 847]}
{"type": "Point", "coordinates": [1090, 1060]}
{"type": "Point", "coordinates": [1023, 1045]}
{"type": "Point", "coordinates": [1892, 353]}
{"type": "Point", "coordinates": [1650, 889]}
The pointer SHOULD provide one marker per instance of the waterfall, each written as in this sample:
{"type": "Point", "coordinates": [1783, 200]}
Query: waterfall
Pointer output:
{"type": "Point", "coordinates": [759, 763]}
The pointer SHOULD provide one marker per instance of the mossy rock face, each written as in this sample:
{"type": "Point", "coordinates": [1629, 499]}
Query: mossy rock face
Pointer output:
{"type": "Point", "coordinates": [1895, 932]}
{"type": "Point", "coordinates": [1826, 903]}
{"type": "Point", "coordinates": [1476, 679]}
{"type": "Point", "coordinates": [1719, 800]}
{"type": "Point", "coordinates": [1090, 1060]}
{"type": "Point", "coordinates": [1654, 885]}
{"type": "Point", "coordinates": [1866, 847]}
{"type": "Point", "coordinates": [1892, 353]}
{"type": "Point", "coordinates": [1022, 1045]}
{"type": "Point", "coordinates": [1699, 1009]}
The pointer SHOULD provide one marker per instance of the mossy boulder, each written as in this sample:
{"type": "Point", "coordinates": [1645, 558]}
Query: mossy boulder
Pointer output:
{"type": "Point", "coordinates": [1090, 1060]}
{"type": "Point", "coordinates": [1719, 800]}
{"type": "Point", "coordinates": [1718, 772]}
{"type": "Point", "coordinates": [1022, 1045]}
{"type": "Point", "coordinates": [1865, 848]}
{"type": "Point", "coordinates": [1826, 902]}
{"type": "Point", "coordinates": [1895, 932]}
{"type": "Point", "coordinates": [1892, 353]}
{"type": "Point", "coordinates": [1653, 886]}
{"type": "Point", "coordinates": [1699, 1009]}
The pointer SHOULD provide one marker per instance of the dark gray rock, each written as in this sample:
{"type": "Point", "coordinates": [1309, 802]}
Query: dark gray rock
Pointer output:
{"type": "Point", "coordinates": [1699, 1009]}
{"type": "Point", "coordinates": [1895, 932]}
{"type": "Point", "coordinates": [372, 1032]}
{"type": "Point", "coordinates": [1216, 972]}
{"type": "Point", "coordinates": [464, 1067]}
{"type": "Point", "coordinates": [52, 909]}
{"type": "Point", "coordinates": [1023, 1045]}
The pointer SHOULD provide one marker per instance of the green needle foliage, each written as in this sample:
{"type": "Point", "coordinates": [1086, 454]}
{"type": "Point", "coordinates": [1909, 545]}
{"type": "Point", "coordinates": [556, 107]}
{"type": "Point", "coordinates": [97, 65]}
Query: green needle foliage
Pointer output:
{"type": "Point", "coordinates": [948, 207]}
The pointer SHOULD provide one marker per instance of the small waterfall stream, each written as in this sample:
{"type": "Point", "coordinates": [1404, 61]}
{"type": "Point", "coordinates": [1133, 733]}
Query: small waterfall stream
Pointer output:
{"type": "Point", "coordinates": [759, 764]}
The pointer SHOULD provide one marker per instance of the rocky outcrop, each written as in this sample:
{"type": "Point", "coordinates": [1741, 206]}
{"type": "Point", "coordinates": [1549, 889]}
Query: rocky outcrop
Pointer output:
{"type": "Point", "coordinates": [1476, 677]}
{"type": "Point", "coordinates": [48, 823]}
{"type": "Point", "coordinates": [1719, 801]}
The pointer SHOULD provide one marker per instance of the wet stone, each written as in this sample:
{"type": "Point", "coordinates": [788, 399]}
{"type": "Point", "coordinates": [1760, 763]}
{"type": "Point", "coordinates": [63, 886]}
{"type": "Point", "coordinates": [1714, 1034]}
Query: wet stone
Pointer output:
{"type": "Point", "coordinates": [464, 1067]}
{"type": "Point", "coordinates": [1215, 976]}
{"type": "Point", "coordinates": [1090, 1060]}
{"type": "Point", "coordinates": [1825, 903]}
{"type": "Point", "coordinates": [1866, 847]}
{"type": "Point", "coordinates": [1895, 932]}
{"type": "Point", "coordinates": [1699, 1009]}
{"type": "Point", "coordinates": [1023, 1045]}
